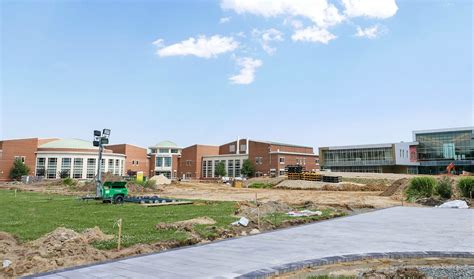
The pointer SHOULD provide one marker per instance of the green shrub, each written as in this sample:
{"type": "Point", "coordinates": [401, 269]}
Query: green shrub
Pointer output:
{"type": "Point", "coordinates": [444, 187]}
{"type": "Point", "coordinates": [260, 185]}
{"type": "Point", "coordinates": [18, 170]}
{"type": "Point", "coordinates": [466, 185]}
{"type": "Point", "coordinates": [69, 181]}
{"type": "Point", "coordinates": [421, 187]}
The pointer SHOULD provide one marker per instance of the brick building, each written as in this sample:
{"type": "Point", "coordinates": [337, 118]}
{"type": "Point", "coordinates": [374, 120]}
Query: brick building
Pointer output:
{"type": "Point", "coordinates": [164, 159]}
{"type": "Point", "coordinates": [268, 158]}
{"type": "Point", "coordinates": [78, 158]}
{"type": "Point", "coordinates": [136, 158]}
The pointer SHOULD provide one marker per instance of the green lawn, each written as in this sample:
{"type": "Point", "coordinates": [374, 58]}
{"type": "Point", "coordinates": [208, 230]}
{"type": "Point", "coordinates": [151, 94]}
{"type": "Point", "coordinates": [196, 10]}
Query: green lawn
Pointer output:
{"type": "Point", "coordinates": [30, 215]}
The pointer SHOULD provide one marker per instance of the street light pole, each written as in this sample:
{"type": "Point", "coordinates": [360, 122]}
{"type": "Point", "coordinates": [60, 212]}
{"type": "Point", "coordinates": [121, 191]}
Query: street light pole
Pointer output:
{"type": "Point", "coordinates": [100, 138]}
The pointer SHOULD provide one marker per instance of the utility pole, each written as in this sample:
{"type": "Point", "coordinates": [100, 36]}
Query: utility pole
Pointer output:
{"type": "Point", "coordinates": [100, 139]}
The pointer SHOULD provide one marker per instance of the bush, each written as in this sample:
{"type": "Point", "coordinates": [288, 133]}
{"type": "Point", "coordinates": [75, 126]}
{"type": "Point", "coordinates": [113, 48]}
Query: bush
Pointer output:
{"type": "Point", "coordinates": [444, 187]}
{"type": "Point", "coordinates": [69, 181]}
{"type": "Point", "coordinates": [466, 185]}
{"type": "Point", "coordinates": [421, 187]}
{"type": "Point", "coordinates": [18, 170]}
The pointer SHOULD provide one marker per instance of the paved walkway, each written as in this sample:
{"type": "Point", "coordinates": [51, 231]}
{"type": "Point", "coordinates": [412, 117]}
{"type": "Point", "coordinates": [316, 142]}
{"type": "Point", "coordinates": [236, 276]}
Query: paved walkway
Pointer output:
{"type": "Point", "coordinates": [396, 229]}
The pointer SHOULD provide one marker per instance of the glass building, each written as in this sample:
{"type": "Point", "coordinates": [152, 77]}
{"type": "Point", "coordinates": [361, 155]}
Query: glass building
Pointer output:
{"type": "Point", "coordinates": [378, 158]}
{"type": "Point", "coordinates": [438, 148]}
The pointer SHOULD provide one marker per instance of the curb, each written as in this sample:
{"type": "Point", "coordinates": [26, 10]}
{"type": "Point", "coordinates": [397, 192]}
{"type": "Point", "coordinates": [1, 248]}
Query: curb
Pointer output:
{"type": "Point", "coordinates": [290, 267]}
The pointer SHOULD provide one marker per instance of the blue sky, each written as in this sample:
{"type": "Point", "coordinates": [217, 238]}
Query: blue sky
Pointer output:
{"type": "Point", "coordinates": [69, 67]}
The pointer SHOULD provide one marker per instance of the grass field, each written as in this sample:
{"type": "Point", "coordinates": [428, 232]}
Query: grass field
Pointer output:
{"type": "Point", "coordinates": [30, 215]}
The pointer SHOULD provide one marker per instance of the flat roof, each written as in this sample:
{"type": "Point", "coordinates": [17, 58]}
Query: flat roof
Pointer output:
{"type": "Point", "coordinates": [443, 130]}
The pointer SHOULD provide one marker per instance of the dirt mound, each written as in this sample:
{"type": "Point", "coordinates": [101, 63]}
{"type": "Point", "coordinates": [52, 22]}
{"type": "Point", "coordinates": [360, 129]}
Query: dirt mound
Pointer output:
{"type": "Point", "coordinates": [161, 180]}
{"type": "Point", "coordinates": [397, 188]}
{"type": "Point", "coordinates": [249, 210]}
{"type": "Point", "coordinates": [186, 224]}
{"type": "Point", "coordinates": [60, 248]}
{"type": "Point", "coordinates": [408, 272]}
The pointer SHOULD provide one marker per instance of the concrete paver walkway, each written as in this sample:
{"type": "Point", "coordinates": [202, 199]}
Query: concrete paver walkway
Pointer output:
{"type": "Point", "coordinates": [397, 229]}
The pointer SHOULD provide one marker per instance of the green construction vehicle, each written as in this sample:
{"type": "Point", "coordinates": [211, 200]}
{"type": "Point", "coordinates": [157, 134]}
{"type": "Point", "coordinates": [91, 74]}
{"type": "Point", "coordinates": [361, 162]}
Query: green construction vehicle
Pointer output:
{"type": "Point", "coordinates": [114, 191]}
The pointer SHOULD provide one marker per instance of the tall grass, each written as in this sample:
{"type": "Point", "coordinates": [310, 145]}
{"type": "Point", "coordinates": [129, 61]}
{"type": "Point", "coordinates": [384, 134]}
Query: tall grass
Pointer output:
{"type": "Point", "coordinates": [466, 185]}
{"type": "Point", "coordinates": [421, 187]}
{"type": "Point", "coordinates": [443, 189]}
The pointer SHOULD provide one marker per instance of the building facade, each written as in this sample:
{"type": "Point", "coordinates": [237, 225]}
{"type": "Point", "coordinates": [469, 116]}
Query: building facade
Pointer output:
{"type": "Point", "coordinates": [439, 148]}
{"type": "Point", "coordinates": [164, 159]}
{"type": "Point", "coordinates": [376, 158]}
{"type": "Point", "coordinates": [268, 158]}
{"type": "Point", "coordinates": [53, 158]}
{"type": "Point", "coordinates": [136, 158]}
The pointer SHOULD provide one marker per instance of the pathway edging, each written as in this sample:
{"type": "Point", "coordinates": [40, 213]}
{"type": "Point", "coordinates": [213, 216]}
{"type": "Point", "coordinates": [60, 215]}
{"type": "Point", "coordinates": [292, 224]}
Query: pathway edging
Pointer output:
{"type": "Point", "coordinates": [290, 267]}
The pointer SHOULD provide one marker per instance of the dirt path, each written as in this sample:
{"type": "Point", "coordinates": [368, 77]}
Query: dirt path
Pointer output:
{"type": "Point", "coordinates": [222, 192]}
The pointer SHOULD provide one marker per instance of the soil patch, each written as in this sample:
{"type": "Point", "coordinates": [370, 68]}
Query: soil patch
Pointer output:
{"type": "Point", "coordinates": [396, 189]}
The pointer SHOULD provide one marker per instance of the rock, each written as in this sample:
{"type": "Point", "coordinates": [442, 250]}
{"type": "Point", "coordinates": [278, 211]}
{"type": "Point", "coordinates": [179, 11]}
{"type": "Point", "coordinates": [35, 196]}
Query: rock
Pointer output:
{"type": "Point", "coordinates": [6, 263]}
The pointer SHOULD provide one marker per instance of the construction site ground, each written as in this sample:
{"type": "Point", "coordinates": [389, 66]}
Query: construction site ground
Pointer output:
{"type": "Point", "coordinates": [46, 220]}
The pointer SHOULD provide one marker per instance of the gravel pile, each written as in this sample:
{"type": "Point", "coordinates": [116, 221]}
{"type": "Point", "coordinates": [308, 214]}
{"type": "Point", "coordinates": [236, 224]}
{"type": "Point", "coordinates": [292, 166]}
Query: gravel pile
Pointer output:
{"type": "Point", "coordinates": [449, 272]}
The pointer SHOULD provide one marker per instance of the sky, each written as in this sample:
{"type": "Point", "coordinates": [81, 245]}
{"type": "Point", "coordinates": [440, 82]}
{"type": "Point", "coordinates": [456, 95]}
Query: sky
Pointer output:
{"type": "Point", "coordinates": [316, 73]}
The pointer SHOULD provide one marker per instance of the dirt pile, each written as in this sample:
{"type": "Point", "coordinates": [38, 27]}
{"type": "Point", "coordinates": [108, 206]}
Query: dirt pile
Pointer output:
{"type": "Point", "coordinates": [250, 211]}
{"type": "Point", "coordinates": [186, 224]}
{"type": "Point", "coordinates": [408, 272]}
{"type": "Point", "coordinates": [324, 186]}
{"type": "Point", "coordinates": [161, 180]}
{"type": "Point", "coordinates": [396, 189]}
{"type": "Point", "coordinates": [60, 248]}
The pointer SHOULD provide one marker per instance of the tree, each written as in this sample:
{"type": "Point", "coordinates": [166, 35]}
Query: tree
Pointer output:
{"type": "Point", "coordinates": [220, 169]}
{"type": "Point", "coordinates": [18, 170]}
{"type": "Point", "coordinates": [247, 168]}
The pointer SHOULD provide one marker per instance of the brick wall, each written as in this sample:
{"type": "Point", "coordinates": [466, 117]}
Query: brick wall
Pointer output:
{"type": "Point", "coordinates": [20, 147]}
{"type": "Point", "coordinates": [194, 154]}
{"type": "Point", "coordinates": [136, 157]}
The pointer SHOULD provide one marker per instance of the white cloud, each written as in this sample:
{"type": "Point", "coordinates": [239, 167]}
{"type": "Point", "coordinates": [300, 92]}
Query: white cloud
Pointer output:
{"type": "Point", "coordinates": [370, 8]}
{"type": "Point", "coordinates": [320, 12]}
{"type": "Point", "coordinates": [313, 34]}
{"type": "Point", "coordinates": [224, 19]}
{"type": "Point", "coordinates": [266, 37]}
{"type": "Point", "coordinates": [246, 74]}
{"type": "Point", "coordinates": [201, 47]}
{"type": "Point", "coordinates": [297, 24]}
{"type": "Point", "coordinates": [370, 32]}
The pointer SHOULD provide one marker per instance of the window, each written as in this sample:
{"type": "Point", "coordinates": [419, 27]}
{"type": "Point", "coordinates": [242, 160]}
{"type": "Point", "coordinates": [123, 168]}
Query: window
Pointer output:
{"type": "Point", "coordinates": [51, 170]}
{"type": "Point", "coordinates": [243, 148]}
{"type": "Point", "coordinates": [174, 150]}
{"type": "Point", "coordinates": [163, 150]}
{"type": "Point", "coordinates": [117, 167]}
{"type": "Point", "coordinates": [258, 160]}
{"type": "Point", "coordinates": [111, 166]}
{"type": "Point", "coordinates": [66, 166]}
{"type": "Point", "coordinates": [237, 168]}
{"type": "Point", "coordinates": [90, 168]}
{"type": "Point", "coordinates": [282, 160]}
{"type": "Point", "coordinates": [40, 166]}
{"type": "Point", "coordinates": [299, 161]}
{"type": "Point", "coordinates": [230, 168]}
{"type": "Point", "coordinates": [209, 168]}
{"type": "Point", "coordinates": [232, 148]}
{"type": "Point", "coordinates": [22, 158]}
{"type": "Point", "coordinates": [188, 163]}
{"type": "Point", "coordinates": [159, 162]}
{"type": "Point", "coordinates": [204, 168]}
{"type": "Point", "coordinates": [121, 167]}
{"type": "Point", "coordinates": [167, 161]}
{"type": "Point", "coordinates": [282, 172]}
{"type": "Point", "coordinates": [102, 165]}
{"type": "Point", "coordinates": [258, 174]}
{"type": "Point", "coordinates": [77, 168]}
